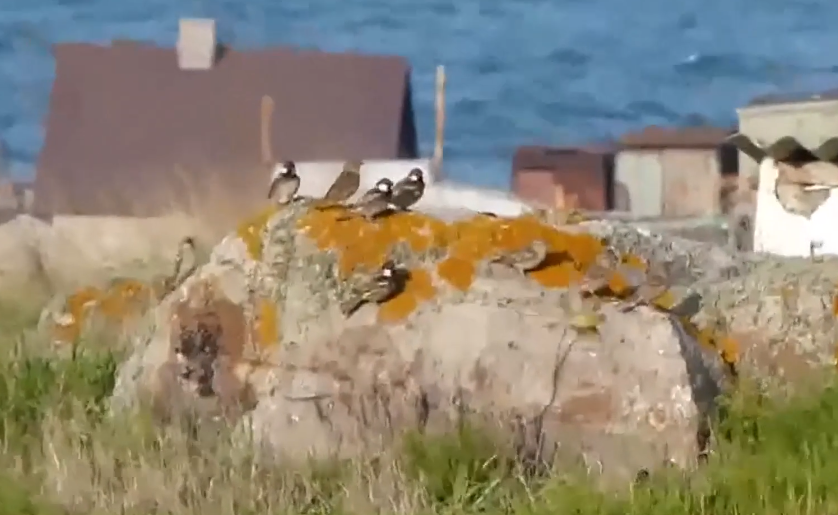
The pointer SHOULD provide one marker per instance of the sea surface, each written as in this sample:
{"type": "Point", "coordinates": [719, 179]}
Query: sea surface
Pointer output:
{"type": "Point", "coordinates": [519, 71]}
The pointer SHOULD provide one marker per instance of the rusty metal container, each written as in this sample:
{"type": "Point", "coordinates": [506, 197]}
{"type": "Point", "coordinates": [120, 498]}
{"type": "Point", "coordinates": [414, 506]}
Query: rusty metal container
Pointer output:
{"type": "Point", "coordinates": [584, 175]}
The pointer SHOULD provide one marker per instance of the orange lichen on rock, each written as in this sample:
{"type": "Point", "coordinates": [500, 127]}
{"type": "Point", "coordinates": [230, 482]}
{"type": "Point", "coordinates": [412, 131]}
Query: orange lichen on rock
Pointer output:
{"type": "Point", "coordinates": [560, 274]}
{"type": "Point", "coordinates": [267, 324]}
{"type": "Point", "coordinates": [124, 300]}
{"type": "Point", "coordinates": [457, 271]}
{"type": "Point", "coordinates": [665, 300]}
{"type": "Point", "coordinates": [420, 284]}
{"type": "Point", "coordinates": [398, 308]}
{"type": "Point", "coordinates": [78, 303]}
{"type": "Point", "coordinates": [725, 345]}
{"type": "Point", "coordinates": [618, 285]}
{"type": "Point", "coordinates": [250, 231]}
{"type": "Point", "coordinates": [634, 261]}
{"type": "Point", "coordinates": [362, 244]}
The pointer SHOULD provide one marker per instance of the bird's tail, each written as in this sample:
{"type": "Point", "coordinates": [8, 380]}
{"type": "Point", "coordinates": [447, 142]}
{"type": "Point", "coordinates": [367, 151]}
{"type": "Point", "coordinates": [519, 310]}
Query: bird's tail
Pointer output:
{"type": "Point", "coordinates": [349, 306]}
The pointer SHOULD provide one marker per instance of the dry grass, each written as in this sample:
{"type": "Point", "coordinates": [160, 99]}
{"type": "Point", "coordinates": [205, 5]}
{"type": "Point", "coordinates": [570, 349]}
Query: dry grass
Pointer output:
{"type": "Point", "coordinates": [62, 452]}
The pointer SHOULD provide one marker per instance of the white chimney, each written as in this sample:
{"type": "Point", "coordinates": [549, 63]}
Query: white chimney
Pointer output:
{"type": "Point", "coordinates": [196, 44]}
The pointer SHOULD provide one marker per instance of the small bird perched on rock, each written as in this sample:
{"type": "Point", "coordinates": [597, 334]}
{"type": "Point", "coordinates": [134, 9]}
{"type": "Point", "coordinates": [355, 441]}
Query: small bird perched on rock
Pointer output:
{"type": "Point", "coordinates": [377, 288]}
{"type": "Point", "coordinates": [584, 315]}
{"type": "Point", "coordinates": [525, 259]}
{"type": "Point", "coordinates": [374, 202]}
{"type": "Point", "coordinates": [409, 190]}
{"type": "Point", "coordinates": [599, 272]}
{"type": "Point", "coordinates": [346, 184]}
{"type": "Point", "coordinates": [285, 183]}
{"type": "Point", "coordinates": [652, 288]}
{"type": "Point", "coordinates": [384, 187]}
{"type": "Point", "coordinates": [185, 264]}
{"type": "Point", "coordinates": [688, 306]}
{"type": "Point", "coordinates": [185, 255]}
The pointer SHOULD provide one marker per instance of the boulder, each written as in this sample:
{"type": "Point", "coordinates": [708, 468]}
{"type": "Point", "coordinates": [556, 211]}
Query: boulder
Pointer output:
{"type": "Point", "coordinates": [255, 336]}
{"type": "Point", "coordinates": [21, 267]}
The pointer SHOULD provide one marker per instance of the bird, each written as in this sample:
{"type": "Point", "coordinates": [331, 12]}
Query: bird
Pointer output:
{"type": "Point", "coordinates": [583, 311]}
{"type": "Point", "coordinates": [409, 190]}
{"type": "Point", "coordinates": [814, 247]}
{"type": "Point", "coordinates": [374, 203]}
{"type": "Point", "coordinates": [599, 272]}
{"type": "Point", "coordinates": [687, 307]}
{"type": "Point", "coordinates": [185, 255]}
{"type": "Point", "coordinates": [528, 258]}
{"type": "Point", "coordinates": [285, 183]}
{"type": "Point", "coordinates": [377, 288]}
{"type": "Point", "coordinates": [646, 293]}
{"type": "Point", "coordinates": [384, 186]}
{"type": "Point", "coordinates": [346, 184]}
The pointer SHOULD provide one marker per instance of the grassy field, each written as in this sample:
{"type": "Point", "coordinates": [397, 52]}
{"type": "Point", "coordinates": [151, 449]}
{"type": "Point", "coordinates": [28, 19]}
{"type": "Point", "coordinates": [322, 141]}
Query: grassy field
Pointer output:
{"type": "Point", "coordinates": [60, 453]}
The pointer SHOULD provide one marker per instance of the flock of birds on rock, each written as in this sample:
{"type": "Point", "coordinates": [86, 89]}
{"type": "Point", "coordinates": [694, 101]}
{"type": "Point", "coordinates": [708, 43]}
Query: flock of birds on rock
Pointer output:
{"type": "Point", "coordinates": [384, 198]}
{"type": "Point", "coordinates": [387, 197]}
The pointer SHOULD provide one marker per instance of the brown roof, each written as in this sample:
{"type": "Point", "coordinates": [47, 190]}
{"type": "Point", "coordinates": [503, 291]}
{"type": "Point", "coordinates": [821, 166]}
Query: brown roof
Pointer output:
{"type": "Point", "coordinates": [676, 137]}
{"type": "Point", "coordinates": [122, 118]}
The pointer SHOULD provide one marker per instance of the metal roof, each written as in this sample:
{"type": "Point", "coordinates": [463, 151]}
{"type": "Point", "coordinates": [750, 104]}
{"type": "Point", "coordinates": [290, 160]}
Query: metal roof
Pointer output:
{"type": "Point", "coordinates": [794, 97]}
{"type": "Point", "coordinates": [787, 148]}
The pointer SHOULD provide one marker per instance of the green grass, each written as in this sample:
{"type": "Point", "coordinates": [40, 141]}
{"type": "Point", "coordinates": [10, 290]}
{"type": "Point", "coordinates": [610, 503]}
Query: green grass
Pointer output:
{"type": "Point", "coordinates": [60, 452]}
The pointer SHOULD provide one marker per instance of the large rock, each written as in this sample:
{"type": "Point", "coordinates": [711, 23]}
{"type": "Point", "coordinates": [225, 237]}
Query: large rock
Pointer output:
{"type": "Point", "coordinates": [256, 335]}
{"type": "Point", "coordinates": [74, 252]}
{"type": "Point", "coordinates": [21, 267]}
{"type": "Point", "coordinates": [778, 314]}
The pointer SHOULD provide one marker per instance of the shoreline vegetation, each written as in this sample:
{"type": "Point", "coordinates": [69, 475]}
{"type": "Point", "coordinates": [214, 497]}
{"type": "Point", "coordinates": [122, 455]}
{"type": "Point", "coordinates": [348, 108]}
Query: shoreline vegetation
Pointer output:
{"type": "Point", "coordinates": [62, 453]}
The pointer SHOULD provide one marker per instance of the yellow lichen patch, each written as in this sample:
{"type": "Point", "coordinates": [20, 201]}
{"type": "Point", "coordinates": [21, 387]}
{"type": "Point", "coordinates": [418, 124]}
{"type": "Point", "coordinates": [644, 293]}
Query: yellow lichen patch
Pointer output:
{"type": "Point", "coordinates": [126, 298]}
{"type": "Point", "coordinates": [362, 244]}
{"type": "Point", "coordinates": [78, 304]}
{"type": "Point", "coordinates": [457, 272]}
{"type": "Point", "coordinates": [250, 231]}
{"type": "Point", "coordinates": [559, 275]}
{"type": "Point", "coordinates": [618, 285]}
{"type": "Point", "coordinates": [665, 300]}
{"type": "Point", "coordinates": [583, 248]}
{"type": "Point", "coordinates": [634, 261]}
{"type": "Point", "coordinates": [835, 305]}
{"type": "Point", "coordinates": [420, 285]}
{"type": "Point", "coordinates": [267, 324]}
{"type": "Point", "coordinates": [398, 308]}
{"type": "Point", "coordinates": [726, 346]}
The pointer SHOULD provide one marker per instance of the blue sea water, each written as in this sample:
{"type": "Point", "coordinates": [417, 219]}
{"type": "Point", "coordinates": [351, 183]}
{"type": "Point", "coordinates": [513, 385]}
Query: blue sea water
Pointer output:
{"type": "Point", "coordinates": [519, 71]}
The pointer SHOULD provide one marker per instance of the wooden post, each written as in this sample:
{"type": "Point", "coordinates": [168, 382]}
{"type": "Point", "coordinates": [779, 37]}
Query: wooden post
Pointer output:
{"type": "Point", "coordinates": [560, 201]}
{"type": "Point", "coordinates": [439, 136]}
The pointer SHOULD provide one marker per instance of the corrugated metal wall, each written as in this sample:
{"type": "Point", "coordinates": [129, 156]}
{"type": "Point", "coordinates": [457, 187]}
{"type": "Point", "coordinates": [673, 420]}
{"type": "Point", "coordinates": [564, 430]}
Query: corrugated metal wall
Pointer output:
{"type": "Point", "coordinates": [638, 182]}
{"type": "Point", "coordinates": [691, 182]}
{"type": "Point", "coordinates": [810, 122]}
